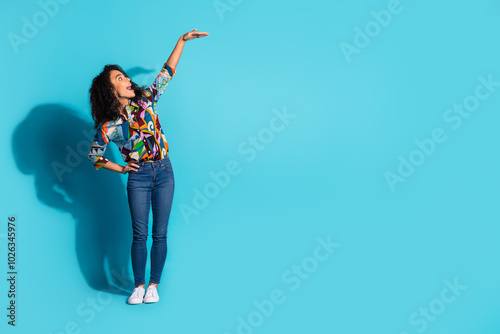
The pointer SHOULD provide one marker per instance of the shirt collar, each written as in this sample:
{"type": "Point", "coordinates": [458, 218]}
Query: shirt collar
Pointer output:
{"type": "Point", "coordinates": [130, 107]}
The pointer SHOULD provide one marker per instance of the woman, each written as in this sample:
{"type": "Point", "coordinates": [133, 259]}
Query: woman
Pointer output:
{"type": "Point", "coordinates": [126, 114]}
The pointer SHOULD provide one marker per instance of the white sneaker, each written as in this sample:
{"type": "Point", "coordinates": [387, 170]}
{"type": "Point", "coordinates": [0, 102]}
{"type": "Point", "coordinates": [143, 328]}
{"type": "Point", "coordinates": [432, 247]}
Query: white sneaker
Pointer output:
{"type": "Point", "coordinates": [151, 295]}
{"type": "Point", "coordinates": [137, 296]}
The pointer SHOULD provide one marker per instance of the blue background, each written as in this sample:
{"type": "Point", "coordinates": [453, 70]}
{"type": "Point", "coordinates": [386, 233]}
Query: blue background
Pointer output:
{"type": "Point", "coordinates": [323, 175]}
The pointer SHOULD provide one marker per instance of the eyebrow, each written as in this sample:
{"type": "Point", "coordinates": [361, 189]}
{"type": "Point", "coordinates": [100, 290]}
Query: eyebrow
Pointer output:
{"type": "Point", "coordinates": [118, 75]}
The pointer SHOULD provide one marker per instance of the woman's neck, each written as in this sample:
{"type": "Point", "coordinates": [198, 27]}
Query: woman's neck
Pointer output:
{"type": "Point", "coordinates": [123, 102]}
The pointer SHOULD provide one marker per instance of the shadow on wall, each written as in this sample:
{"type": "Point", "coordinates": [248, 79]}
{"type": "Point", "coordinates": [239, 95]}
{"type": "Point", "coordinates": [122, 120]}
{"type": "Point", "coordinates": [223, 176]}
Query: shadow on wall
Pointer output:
{"type": "Point", "coordinates": [58, 142]}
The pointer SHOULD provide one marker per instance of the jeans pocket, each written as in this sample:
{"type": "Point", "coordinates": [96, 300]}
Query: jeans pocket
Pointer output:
{"type": "Point", "coordinates": [136, 171]}
{"type": "Point", "coordinates": [166, 166]}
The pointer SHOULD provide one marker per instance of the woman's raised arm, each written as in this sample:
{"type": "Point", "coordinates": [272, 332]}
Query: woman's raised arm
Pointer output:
{"type": "Point", "coordinates": [176, 54]}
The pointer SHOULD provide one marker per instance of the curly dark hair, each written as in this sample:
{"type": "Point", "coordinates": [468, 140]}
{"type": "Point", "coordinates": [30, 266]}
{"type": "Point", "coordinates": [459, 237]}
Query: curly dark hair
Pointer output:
{"type": "Point", "coordinates": [103, 102]}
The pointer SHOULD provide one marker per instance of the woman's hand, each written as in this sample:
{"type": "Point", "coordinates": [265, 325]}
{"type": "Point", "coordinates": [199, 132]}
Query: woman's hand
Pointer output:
{"type": "Point", "coordinates": [131, 165]}
{"type": "Point", "coordinates": [193, 34]}
{"type": "Point", "coordinates": [173, 60]}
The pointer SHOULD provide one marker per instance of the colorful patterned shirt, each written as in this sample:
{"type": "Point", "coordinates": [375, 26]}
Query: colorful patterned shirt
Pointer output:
{"type": "Point", "coordinates": [138, 136]}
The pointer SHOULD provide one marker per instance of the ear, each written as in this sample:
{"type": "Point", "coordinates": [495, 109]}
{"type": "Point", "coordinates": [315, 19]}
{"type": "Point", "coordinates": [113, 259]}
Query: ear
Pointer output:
{"type": "Point", "coordinates": [115, 92]}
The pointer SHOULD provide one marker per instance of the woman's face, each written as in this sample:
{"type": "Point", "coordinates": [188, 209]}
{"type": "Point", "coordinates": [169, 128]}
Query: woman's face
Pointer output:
{"type": "Point", "coordinates": [122, 84]}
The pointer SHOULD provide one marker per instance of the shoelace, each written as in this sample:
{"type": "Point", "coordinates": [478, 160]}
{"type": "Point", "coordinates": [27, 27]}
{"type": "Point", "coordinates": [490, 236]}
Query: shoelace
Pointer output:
{"type": "Point", "coordinates": [137, 292]}
{"type": "Point", "coordinates": [150, 292]}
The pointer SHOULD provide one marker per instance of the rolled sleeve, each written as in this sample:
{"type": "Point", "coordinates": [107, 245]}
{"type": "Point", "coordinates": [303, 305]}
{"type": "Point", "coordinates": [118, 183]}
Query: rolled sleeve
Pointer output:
{"type": "Point", "coordinates": [101, 161]}
{"type": "Point", "coordinates": [97, 149]}
{"type": "Point", "coordinates": [170, 70]}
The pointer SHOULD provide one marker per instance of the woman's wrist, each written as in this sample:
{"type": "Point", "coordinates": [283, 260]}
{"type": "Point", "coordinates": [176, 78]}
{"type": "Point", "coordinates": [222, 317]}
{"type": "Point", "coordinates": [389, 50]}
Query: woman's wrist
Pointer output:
{"type": "Point", "coordinates": [114, 167]}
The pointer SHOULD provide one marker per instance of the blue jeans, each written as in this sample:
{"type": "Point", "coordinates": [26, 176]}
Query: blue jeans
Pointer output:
{"type": "Point", "coordinates": [152, 184]}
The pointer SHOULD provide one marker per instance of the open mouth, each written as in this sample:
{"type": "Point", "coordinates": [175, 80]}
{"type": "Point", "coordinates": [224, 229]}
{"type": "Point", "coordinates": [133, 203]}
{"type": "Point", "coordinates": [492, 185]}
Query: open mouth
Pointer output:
{"type": "Point", "coordinates": [129, 87]}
